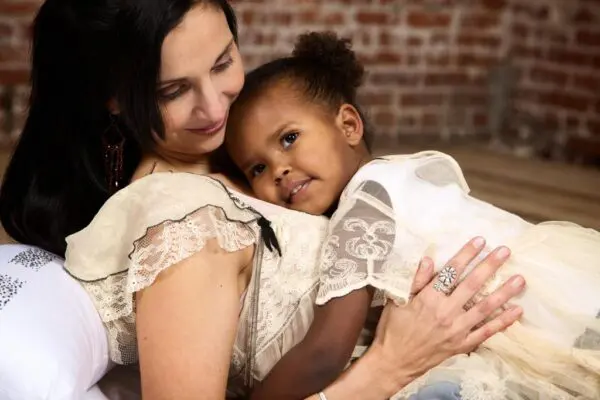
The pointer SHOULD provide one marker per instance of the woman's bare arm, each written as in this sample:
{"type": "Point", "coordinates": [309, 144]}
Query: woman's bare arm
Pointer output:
{"type": "Point", "coordinates": [186, 325]}
{"type": "Point", "coordinates": [440, 328]}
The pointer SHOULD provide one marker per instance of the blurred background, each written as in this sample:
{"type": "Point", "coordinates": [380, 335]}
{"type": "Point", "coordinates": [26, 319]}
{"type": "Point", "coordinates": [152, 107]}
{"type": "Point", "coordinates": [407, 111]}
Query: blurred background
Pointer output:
{"type": "Point", "coordinates": [511, 88]}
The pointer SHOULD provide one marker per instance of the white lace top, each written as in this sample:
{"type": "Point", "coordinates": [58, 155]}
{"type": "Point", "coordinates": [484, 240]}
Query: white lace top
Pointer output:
{"type": "Point", "coordinates": [163, 218]}
{"type": "Point", "coordinates": [394, 211]}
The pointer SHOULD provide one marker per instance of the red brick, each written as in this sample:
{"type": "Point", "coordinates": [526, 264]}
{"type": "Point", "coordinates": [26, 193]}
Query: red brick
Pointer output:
{"type": "Point", "coordinates": [414, 41]}
{"type": "Point", "coordinates": [13, 76]}
{"type": "Point", "coordinates": [382, 58]}
{"type": "Point", "coordinates": [527, 94]}
{"type": "Point", "coordinates": [473, 39]}
{"type": "Point", "coordinates": [480, 119]}
{"type": "Point", "coordinates": [334, 19]}
{"type": "Point", "coordinates": [551, 35]}
{"type": "Point", "coordinates": [442, 60]}
{"type": "Point", "coordinates": [494, 4]}
{"type": "Point", "coordinates": [470, 99]}
{"type": "Point", "coordinates": [480, 20]}
{"type": "Point", "coordinates": [440, 39]}
{"type": "Point", "coordinates": [430, 120]}
{"type": "Point", "coordinates": [572, 122]}
{"type": "Point", "coordinates": [371, 98]}
{"type": "Point", "coordinates": [373, 18]}
{"type": "Point", "coordinates": [588, 38]}
{"type": "Point", "coordinates": [537, 12]}
{"type": "Point", "coordinates": [584, 16]}
{"type": "Point", "coordinates": [395, 78]}
{"type": "Point", "coordinates": [247, 17]}
{"type": "Point", "coordinates": [552, 121]}
{"type": "Point", "coordinates": [385, 39]}
{"type": "Point", "coordinates": [407, 120]}
{"type": "Point", "coordinates": [476, 60]}
{"type": "Point", "coordinates": [594, 126]}
{"type": "Point", "coordinates": [20, 8]}
{"type": "Point", "coordinates": [527, 52]}
{"type": "Point", "coordinates": [384, 118]}
{"type": "Point", "coordinates": [420, 19]}
{"type": "Point", "coordinates": [413, 59]}
{"type": "Point", "coordinates": [11, 54]}
{"type": "Point", "coordinates": [307, 17]}
{"type": "Point", "coordinates": [547, 75]}
{"type": "Point", "coordinates": [587, 82]}
{"type": "Point", "coordinates": [569, 57]}
{"type": "Point", "coordinates": [421, 99]}
{"type": "Point", "coordinates": [281, 18]}
{"type": "Point", "coordinates": [446, 78]}
{"type": "Point", "coordinates": [6, 30]}
{"type": "Point", "coordinates": [564, 100]}
{"type": "Point", "coordinates": [520, 31]}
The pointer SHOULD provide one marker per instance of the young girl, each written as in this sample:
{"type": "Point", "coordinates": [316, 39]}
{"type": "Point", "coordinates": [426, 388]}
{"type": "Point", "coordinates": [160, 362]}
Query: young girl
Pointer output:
{"type": "Point", "coordinates": [298, 135]}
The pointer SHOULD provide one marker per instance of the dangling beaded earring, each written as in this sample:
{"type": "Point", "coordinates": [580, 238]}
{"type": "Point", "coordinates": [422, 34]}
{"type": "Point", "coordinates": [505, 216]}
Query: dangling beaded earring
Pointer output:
{"type": "Point", "coordinates": [113, 143]}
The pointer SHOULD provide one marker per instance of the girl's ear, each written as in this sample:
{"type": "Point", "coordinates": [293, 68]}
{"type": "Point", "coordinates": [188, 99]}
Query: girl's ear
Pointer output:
{"type": "Point", "coordinates": [350, 123]}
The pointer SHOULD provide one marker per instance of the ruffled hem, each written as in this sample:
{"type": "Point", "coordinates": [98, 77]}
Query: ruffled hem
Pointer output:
{"type": "Point", "coordinates": [397, 291]}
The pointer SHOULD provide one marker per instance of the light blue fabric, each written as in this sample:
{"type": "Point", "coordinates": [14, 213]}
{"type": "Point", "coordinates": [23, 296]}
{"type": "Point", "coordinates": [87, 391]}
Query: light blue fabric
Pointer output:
{"type": "Point", "coordinates": [438, 391]}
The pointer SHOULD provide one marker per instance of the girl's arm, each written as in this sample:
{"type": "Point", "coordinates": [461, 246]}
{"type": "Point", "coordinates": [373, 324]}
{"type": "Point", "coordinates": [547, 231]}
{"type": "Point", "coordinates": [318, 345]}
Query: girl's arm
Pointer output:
{"type": "Point", "coordinates": [328, 345]}
{"type": "Point", "coordinates": [322, 355]}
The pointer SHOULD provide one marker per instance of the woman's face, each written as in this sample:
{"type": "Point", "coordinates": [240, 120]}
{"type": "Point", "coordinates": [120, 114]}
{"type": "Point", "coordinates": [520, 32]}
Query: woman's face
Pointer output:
{"type": "Point", "coordinates": [201, 74]}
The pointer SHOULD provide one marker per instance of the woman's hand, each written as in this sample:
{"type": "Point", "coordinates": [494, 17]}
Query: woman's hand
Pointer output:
{"type": "Point", "coordinates": [434, 326]}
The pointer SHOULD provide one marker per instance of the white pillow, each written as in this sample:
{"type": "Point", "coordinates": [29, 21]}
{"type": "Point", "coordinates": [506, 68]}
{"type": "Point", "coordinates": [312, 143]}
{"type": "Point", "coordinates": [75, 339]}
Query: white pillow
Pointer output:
{"type": "Point", "coordinates": [53, 345]}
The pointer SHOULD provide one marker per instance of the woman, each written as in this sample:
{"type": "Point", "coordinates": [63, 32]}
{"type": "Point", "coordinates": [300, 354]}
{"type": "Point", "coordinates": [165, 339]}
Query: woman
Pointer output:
{"type": "Point", "coordinates": [139, 92]}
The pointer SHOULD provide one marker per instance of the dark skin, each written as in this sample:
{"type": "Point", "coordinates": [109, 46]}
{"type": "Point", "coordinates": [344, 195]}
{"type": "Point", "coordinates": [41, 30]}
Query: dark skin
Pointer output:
{"type": "Point", "coordinates": [323, 354]}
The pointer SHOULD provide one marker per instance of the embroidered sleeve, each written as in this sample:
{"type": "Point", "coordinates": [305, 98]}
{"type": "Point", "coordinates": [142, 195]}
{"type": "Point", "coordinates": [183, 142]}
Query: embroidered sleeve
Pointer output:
{"type": "Point", "coordinates": [144, 230]}
{"type": "Point", "coordinates": [359, 243]}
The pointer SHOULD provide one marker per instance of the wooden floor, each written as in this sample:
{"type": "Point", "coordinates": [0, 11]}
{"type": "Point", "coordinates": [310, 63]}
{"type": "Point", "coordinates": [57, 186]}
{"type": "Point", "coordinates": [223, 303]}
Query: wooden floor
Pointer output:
{"type": "Point", "coordinates": [536, 190]}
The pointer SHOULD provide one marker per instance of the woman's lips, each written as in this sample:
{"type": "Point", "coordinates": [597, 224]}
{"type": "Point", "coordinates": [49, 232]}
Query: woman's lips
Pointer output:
{"type": "Point", "coordinates": [210, 130]}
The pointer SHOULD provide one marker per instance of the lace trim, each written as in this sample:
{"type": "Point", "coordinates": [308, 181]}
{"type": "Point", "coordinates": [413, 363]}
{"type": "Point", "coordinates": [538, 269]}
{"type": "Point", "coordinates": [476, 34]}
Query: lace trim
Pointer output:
{"type": "Point", "coordinates": [163, 245]}
{"type": "Point", "coordinates": [359, 251]}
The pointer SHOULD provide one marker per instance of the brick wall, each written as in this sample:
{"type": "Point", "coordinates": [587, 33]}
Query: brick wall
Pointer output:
{"type": "Point", "coordinates": [528, 71]}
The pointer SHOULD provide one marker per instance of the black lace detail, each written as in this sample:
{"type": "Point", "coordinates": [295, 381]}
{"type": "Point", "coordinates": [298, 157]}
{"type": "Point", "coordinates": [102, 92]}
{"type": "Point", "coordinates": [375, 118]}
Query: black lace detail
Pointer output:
{"type": "Point", "coordinates": [268, 235]}
{"type": "Point", "coordinates": [33, 258]}
{"type": "Point", "coordinates": [8, 289]}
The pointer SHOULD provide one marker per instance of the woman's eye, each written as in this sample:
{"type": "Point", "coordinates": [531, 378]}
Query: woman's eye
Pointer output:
{"type": "Point", "coordinates": [289, 138]}
{"type": "Point", "coordinates": [257, 170]}
{"type": "Point", "coordinates": [223, 66]}
{"type": "Point", "coordinates": [173, 92]}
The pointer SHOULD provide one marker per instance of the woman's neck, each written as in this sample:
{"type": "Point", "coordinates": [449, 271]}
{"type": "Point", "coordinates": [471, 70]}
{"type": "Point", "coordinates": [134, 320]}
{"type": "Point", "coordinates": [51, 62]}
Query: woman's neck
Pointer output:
{"type": "Point", "coordinates": [153, 163]}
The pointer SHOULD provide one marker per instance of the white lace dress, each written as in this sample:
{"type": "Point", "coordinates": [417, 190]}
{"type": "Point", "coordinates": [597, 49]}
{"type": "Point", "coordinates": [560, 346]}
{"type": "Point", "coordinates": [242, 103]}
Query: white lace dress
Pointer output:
{"type": "Point", "coordinates": [397, 209]}
{"type": "Point", "coordinates": [163, 218]}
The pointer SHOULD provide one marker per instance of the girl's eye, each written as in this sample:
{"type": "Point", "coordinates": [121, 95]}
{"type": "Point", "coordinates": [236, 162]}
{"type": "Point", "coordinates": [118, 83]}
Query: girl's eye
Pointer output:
{"type": "Point", "coordinates": [288, 139]}
{"type": "Point", "coordinates": [257, 170]}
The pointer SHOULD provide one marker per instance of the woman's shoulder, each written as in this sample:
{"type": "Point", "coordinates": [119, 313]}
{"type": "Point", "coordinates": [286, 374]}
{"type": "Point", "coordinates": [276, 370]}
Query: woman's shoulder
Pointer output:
{"type": "Point", "coordinates": [161, 207]}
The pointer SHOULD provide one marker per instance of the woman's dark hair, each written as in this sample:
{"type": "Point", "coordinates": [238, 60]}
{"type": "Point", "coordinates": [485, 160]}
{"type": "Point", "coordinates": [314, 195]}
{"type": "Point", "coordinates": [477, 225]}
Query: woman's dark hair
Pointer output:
{"type": "Point", "coordinates": [322, 66]}
{"type": "Point", "coordinates": [84, 54]}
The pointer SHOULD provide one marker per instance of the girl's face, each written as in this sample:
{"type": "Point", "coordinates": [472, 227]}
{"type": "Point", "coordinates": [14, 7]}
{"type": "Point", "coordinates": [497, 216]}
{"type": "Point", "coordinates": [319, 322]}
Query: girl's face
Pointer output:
{"type": "Point", "coordinates": [295, 154]}
{"type": "Point", "coordinates": [201, 74]}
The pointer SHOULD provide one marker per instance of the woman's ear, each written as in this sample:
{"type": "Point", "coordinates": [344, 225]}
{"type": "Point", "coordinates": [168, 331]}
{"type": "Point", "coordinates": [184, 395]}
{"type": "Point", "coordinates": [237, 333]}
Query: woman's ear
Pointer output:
{"type": "Point", "coordinates": [113, 106]}
{"type": "Point", "coordinates": [350, 124]}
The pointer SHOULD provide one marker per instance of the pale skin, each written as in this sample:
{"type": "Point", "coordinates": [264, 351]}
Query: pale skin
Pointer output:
{"type": "Point", "coordinates": [187, 320]}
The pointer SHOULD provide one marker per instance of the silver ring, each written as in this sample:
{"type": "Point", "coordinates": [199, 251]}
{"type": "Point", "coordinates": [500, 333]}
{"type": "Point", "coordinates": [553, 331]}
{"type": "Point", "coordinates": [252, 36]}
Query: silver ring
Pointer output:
{"type": "Point", "coordinates": [446, 279]}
